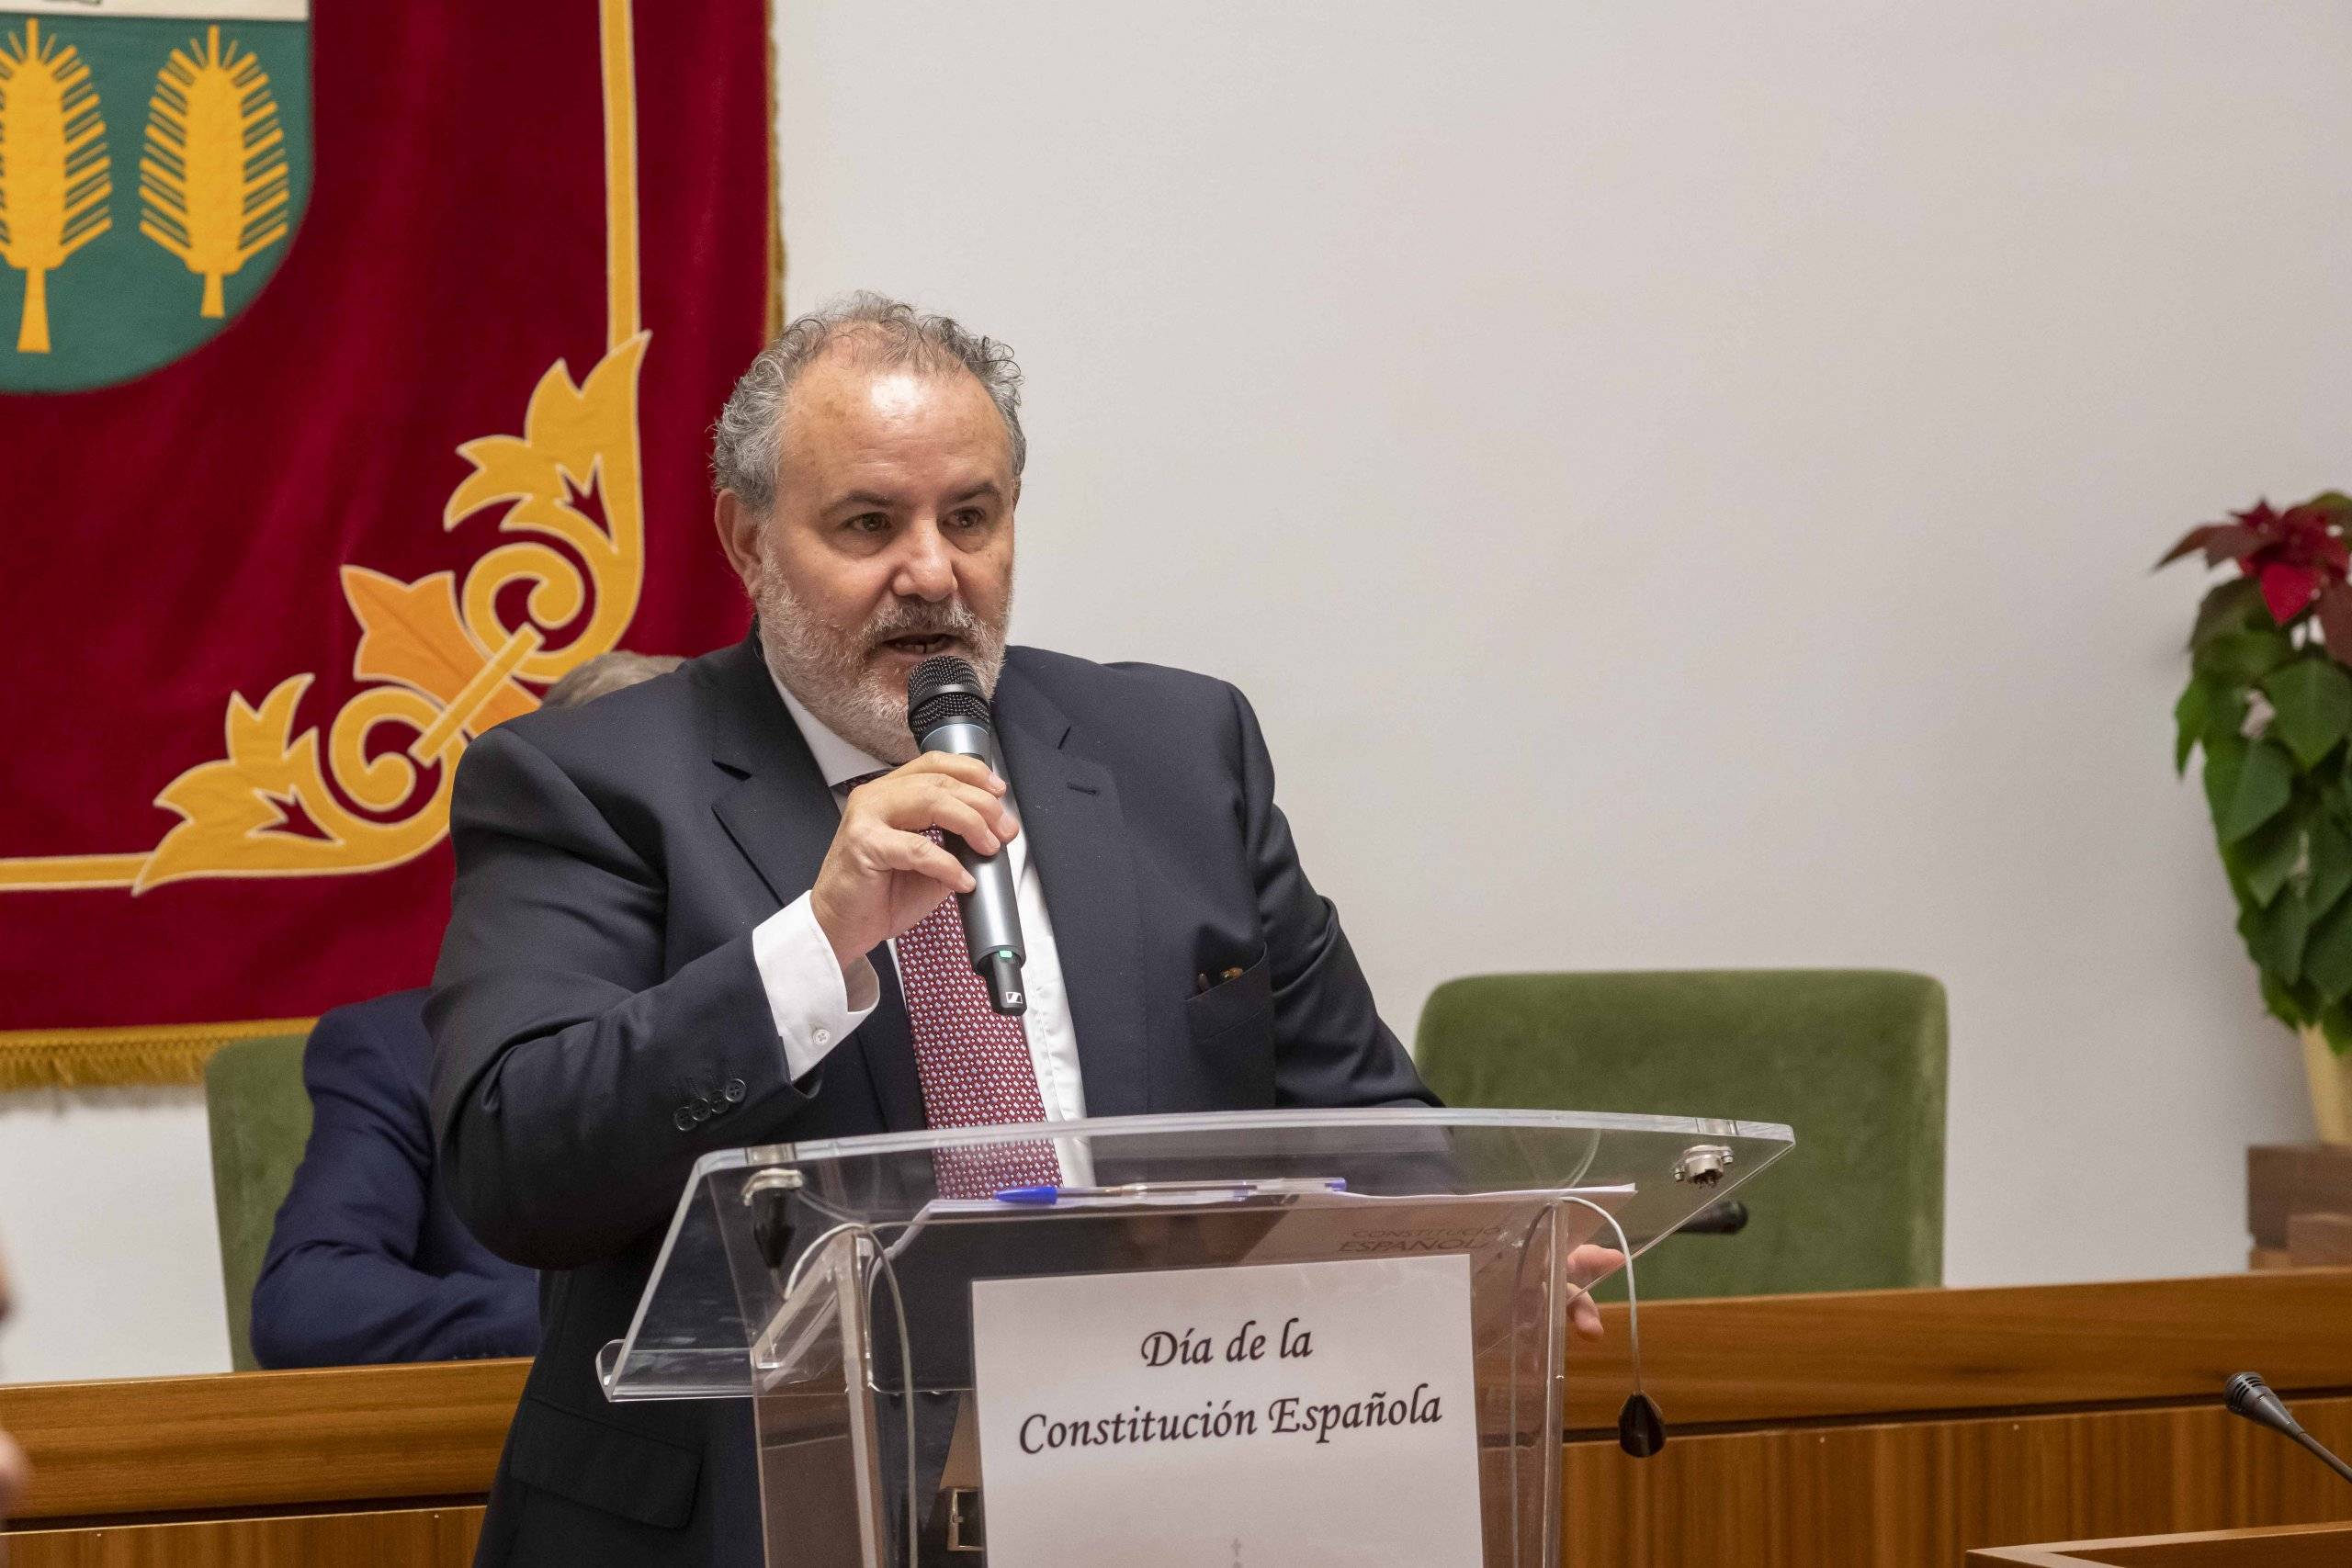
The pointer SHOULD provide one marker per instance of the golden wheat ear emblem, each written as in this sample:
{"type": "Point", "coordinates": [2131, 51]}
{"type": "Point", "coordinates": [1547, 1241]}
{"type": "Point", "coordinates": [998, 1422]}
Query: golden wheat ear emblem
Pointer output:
{"type": "Point", "coordinates": [54, 177]}
{"type": "Point", "coordinates": [213, 188]}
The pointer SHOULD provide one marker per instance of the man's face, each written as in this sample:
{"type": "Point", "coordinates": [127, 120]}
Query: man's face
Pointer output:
{"type": "Point", "coordinates": [891, 541]}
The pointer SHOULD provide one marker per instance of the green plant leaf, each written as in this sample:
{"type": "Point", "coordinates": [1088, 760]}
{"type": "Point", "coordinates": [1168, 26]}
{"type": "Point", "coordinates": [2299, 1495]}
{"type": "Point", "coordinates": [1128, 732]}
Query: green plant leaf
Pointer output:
{"type": "Point", "coordinates": [2313, 701]}
{"type": "Point", "coordinates": [2330, 866]}
{"type": "Point", "coordinates": [2328, 956]}
{"type": "Point", "coordinates": [2336, 1024]}
{"type": "Point", "coordinates": [2262, 862]}
{"type": "Point", "coordinates": [2233, 606]}
{"type": "Point", "coordinates": [2276, 939]}
{"type": "Point", "coordinates": [2224, 715]}
{"type": "Point", "coordinates": [2242, 658]}
{"type": "Point", "coordinates": [2261, 786]}
{"type": "Point", "coordinates": [2279, 997]}
{"type": "Point", "coordinates": [2190, 715]}
{"type": "Point", "coordinates": [2224, 760]}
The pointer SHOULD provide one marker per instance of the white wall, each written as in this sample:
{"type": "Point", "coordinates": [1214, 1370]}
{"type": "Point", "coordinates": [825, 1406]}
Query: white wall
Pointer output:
{"type": "Point", "coordinates": [106, 1216]}
{"type": "Point", "coordinates": [1677, 480]}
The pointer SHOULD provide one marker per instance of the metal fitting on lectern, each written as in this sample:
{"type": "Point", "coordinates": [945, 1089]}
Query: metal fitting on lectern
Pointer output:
{"type": "Point", "coordinates": [1703, 1165]}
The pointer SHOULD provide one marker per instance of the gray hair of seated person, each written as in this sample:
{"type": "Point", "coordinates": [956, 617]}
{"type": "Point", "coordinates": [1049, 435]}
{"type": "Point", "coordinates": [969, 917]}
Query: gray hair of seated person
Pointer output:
{"type": "Point", "coordinates": [747, 442]}
{"type": "Point", "coordinates": [607, 673]}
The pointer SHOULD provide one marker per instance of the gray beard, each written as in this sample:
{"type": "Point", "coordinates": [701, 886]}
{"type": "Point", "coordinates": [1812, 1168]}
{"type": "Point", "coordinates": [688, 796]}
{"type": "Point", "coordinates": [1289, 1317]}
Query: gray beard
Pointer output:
{"type": "Point", "coordinates": [826, 667]}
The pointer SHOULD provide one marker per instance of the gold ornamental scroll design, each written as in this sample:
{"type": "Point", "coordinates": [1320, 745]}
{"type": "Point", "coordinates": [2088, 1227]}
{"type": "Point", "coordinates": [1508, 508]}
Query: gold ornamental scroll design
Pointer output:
{"type": "Point", "coordinates": [446, 662]}
{"type": "Point", "coordinates": [440, 659]}
{"type": "Point", "coordinates": [445, 657]}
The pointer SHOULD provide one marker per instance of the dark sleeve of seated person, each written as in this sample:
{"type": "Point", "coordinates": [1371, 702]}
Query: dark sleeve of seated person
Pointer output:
{"type": "Point", "coordinates": [369, 1262]}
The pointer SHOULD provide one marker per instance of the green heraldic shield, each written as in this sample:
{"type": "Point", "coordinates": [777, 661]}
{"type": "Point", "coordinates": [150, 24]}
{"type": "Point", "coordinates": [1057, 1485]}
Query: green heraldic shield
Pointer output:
{"type": "Point", "coordinates": [154, 161]}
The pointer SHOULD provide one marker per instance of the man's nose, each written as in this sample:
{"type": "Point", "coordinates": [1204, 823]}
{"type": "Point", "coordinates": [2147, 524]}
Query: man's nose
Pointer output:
{"type": "Point", "coordinates": [927, 568]}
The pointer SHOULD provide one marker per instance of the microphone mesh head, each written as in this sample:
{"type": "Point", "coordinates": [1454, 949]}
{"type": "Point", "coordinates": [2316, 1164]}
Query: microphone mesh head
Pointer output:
{"type": "Point", "coordinates": [2242, 1390]}
{"type": "Point", "coordinates": [942, 690]}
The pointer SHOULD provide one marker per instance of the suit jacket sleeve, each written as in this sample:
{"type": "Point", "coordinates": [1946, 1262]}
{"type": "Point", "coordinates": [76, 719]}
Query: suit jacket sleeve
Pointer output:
{"type": "Point", "coordinates": [1331, 1048]}
{"type": "Point", "coordinates": [340, 1285]}
{"type": "Point", "coordinates": [574, 1083]}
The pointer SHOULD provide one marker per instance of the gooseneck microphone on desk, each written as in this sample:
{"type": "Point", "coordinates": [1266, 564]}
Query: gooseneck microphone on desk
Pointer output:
{"type": "Point", "coordinates": [947, 708]}
{"type": "Point", "coordinates": [2249, 1396]}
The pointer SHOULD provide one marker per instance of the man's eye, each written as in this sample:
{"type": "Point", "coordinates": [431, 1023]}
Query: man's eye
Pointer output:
{"type": "Point", "coordinates": [967, 517]}
{"type": "Point", "coordinates": [868, 523]}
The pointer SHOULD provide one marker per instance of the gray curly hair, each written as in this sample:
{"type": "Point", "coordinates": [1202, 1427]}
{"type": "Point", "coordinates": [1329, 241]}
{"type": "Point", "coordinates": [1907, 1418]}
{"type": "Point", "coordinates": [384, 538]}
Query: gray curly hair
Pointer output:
{"type": "Point", "coordinates": [747, 441]}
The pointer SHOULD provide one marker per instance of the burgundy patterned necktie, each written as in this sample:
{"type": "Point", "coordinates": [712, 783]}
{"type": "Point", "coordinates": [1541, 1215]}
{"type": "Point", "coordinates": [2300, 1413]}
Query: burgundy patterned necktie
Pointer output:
{"type": "Point", "coordinates": [973, 1061]}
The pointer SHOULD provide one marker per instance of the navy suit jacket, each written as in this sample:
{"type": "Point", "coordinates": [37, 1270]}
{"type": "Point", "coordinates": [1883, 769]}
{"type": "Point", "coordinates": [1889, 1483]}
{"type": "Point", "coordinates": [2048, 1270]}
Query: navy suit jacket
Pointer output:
{"type": "Point", "coordinates": [600, 1022]}
{"type": "Point", "coordinates": [369, 1262]}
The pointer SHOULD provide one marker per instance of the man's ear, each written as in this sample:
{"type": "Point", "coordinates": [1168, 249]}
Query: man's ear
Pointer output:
{"type": "Point", "coordinates": [738, 534]}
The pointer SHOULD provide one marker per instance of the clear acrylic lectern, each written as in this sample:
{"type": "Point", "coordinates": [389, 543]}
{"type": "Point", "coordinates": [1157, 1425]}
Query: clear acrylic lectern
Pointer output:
{"type": "Point", "coordinates": [833, 1283]}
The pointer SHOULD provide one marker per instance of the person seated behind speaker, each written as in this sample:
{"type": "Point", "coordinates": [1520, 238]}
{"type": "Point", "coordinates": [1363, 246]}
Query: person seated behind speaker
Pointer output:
{"type": "Point", "coordinates": [369, 1262]}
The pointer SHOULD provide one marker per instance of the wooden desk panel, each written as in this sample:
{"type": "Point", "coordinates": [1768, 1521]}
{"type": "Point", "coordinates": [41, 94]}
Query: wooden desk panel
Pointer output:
{"type": "Point", "coordinates": [1895, 1428]}
{"type": "Point", "coordinates": [1896, 1352]}
{"type": "Point", "coordinates": [1926, 1492]}
{"type": "Point", "coordinates": [261, 1440]}
{"type": "Point", "coordinates": [2310, 1545]}
{"type": "Point", "coordinates": [412, 1537]}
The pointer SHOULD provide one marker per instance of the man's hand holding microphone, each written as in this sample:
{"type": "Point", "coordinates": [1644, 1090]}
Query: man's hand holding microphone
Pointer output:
{"type": "Point", "coordinates": [882, 873]}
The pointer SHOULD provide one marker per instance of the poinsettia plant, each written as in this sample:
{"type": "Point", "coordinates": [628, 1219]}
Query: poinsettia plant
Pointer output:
{"type": "Point", "coordinates": [2269, 702]}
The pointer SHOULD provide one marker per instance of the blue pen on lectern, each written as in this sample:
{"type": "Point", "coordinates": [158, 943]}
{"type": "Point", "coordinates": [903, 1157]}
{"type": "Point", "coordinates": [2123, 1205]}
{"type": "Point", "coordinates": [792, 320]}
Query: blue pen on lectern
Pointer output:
{"type": "Point", "coordinates": [1272, 1187]}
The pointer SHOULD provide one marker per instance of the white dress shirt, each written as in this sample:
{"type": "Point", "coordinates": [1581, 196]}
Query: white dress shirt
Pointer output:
{"type": "Point", "coordinates": [815, 1005]}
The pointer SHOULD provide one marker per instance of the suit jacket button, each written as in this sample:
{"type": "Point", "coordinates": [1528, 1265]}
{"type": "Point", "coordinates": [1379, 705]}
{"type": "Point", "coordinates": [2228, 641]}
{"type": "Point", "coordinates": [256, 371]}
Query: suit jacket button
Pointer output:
{"type": "Point", "coordinates": [702, 1110]}
{"type": "Point", "coordinates": [734, 1091]}
{"type": "Point", "coordinates": [683, 1120]}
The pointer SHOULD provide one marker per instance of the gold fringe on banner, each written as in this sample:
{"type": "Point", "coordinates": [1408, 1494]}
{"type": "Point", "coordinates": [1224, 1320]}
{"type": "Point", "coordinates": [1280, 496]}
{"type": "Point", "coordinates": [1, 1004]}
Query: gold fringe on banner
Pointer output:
{"type": "Point", "coordinates": [109, 1058]}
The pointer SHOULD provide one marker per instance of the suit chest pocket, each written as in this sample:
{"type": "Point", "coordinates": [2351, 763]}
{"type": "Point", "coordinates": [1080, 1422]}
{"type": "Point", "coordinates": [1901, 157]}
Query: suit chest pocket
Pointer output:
{"type": "Point", "coordinates": [1232, 1027]}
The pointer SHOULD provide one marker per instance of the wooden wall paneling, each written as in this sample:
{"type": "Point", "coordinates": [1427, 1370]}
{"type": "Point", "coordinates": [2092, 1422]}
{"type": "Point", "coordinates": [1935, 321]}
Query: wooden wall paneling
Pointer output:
{"type": "Point", "coordinates": [413, 1538]}
{"type": "Point", "coordinates": [249, 1440]}
{"type": "Point", "coordinates": [1887, 1353]}
{"type": "Point", "coordinates": [1926, 1492]}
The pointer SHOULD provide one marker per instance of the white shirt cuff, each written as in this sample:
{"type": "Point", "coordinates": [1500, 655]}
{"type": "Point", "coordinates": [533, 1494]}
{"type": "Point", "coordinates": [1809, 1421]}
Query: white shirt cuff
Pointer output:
{"type": "Point", "coordinates": [812, 1006]}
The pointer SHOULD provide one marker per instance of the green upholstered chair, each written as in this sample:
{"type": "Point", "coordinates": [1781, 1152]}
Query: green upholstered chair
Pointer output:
{"type": "Point", "coordinates": [1853, 1060]}
{"type": "Point", "coordinates": [261, 1118]}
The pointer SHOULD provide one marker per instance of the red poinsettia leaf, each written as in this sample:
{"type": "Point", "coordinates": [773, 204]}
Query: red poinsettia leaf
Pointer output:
{"type": "Point", "coordinates": [2286, 588]}
{"type": "Point", "coordinates": [2335, 621]}
{"type": "Point", "coordinates": [2232, 542]}
{"type": "Point", "coordinates": [2220, 541]}
{"type": "Point", "coordinates": [2190, 542]}
{"type": "Point", "coordinates": [2259, 517]}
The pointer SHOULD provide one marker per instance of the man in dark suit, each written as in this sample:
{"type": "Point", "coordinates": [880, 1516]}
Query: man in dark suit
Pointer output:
{"type": "Point", "coordinates": [706, 911]}
{"type": "Point", "coordinates": [368, 1262]}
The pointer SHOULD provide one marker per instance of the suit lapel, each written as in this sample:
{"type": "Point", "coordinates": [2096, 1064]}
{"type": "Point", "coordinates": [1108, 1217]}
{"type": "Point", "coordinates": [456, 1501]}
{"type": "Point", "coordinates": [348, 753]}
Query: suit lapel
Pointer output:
{"type": "Point", "coordinates": [782, 816]}
{"type": "Point", "coordinates": [1069, 810]}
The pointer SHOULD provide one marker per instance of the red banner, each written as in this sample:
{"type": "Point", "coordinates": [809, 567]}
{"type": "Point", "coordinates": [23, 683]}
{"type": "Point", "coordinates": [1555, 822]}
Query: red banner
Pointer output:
{"type": "Point", "coordinates": [440, 439]}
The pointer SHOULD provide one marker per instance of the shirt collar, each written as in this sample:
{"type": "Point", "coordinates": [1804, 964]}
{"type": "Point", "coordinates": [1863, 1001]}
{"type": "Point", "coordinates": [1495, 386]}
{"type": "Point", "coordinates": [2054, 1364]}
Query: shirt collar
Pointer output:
{"type": "Point", "coordinates": [840, 761]}
{"type": "Point", "coordinates": [836, 759]}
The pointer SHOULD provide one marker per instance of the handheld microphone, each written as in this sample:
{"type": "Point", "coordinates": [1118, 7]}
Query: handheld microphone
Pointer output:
{"type": "Point", "coordinates": [2249, 1396]}
{"type": "Point", "coordinates": [948, 711]}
